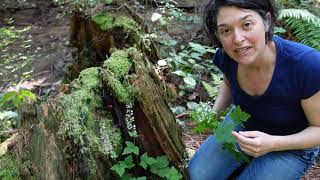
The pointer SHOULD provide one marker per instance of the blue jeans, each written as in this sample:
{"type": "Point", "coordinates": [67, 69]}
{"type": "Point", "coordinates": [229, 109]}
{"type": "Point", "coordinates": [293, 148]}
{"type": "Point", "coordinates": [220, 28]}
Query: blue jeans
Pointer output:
{"type": "Point", "coordinates": [211, 162]}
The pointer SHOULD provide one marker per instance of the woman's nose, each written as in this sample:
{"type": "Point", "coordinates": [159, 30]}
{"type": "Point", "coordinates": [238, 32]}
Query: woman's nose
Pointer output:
{"type": "Point", "coordinates": [238, 37]}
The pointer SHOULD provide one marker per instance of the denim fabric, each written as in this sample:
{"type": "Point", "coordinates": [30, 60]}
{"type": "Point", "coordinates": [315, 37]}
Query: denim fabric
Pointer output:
{"type": "Point", "coordinates": [211, 162]}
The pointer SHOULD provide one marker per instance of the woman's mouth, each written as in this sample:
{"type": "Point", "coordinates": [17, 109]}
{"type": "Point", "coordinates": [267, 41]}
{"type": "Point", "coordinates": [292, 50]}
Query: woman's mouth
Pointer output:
{"type": "Point", "coordinates": [243, 49]}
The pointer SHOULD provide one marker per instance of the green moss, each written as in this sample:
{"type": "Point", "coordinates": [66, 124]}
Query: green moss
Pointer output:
{"type": "Point", "coordinates": [118, 63]}
{"type": "Point", "coordinates": [117, 75]}
{"type": "Point", "coordinates": [9, 167]}
{"type": "Point", "coordinates": [80, 111]}
{"type": "Point", "coordinates": [103, 20]}
{"type": "Point", "coordinates": [121, 91]}
{"type": "Point", "coordinates": [111, 138]}
{"type": "Point", "coordinates": [90, 79]}
{"type": "Point", "coordinates": [126, 23]}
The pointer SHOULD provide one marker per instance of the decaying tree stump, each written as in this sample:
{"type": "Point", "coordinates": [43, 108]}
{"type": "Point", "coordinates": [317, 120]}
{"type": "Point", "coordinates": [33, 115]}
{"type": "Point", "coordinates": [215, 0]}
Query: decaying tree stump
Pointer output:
{"type": "Point", "coordinates": [81, 133]}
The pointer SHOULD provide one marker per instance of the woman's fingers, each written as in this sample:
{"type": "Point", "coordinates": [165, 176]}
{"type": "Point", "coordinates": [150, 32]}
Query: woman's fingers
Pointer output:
{"type": "Point", "coordinates": [244, 140]}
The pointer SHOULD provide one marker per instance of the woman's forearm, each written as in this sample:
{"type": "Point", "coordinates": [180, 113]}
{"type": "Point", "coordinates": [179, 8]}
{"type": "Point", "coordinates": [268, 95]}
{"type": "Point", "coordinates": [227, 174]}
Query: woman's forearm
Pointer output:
{"type": "Point", "coordinates": [308, 138]}
{"type": "Point", "coordinates": [223, 99]}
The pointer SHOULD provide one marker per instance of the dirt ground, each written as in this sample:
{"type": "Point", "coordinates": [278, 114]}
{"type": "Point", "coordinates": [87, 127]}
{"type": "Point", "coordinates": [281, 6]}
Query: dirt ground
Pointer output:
{"type": "Point", "coordinates": [41, 54]}
{"type": "Point", "coordinates": [46, 46]}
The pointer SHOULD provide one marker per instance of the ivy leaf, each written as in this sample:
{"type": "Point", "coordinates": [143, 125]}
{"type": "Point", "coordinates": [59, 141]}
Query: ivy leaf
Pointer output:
{"type": "Point", "coordinates": [239, 116]}
{"type": "Point", "coordinates": [131, 148]}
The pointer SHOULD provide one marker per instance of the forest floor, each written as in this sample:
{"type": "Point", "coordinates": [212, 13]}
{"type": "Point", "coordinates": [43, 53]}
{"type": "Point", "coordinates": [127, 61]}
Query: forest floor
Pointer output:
{"type": "Point", "coordinates": [38, 59]}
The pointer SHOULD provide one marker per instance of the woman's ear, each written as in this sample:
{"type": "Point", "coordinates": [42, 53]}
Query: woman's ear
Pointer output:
{"type": "Point", "coordinates": [267, 22]}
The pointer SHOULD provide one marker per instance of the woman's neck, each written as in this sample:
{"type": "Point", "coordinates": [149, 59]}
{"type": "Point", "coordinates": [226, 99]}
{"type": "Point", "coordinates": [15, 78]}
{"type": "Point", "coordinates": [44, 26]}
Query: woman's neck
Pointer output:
{"type": "Point", "coordinates": [264, 61]}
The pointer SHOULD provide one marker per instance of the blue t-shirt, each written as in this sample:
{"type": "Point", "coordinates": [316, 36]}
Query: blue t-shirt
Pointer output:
{"type": "Point", "coordinates": [296, 76]}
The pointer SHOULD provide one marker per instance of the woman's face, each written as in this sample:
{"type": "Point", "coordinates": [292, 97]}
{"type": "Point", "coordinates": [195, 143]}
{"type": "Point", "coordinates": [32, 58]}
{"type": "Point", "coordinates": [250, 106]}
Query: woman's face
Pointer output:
{"type": "Point", "coordinates": [242, 34]}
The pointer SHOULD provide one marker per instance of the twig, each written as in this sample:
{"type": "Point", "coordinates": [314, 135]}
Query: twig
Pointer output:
{"type": "Point", "coordinates": [7, 132]}
{"type": "Point", "coordinates": [187, 135]}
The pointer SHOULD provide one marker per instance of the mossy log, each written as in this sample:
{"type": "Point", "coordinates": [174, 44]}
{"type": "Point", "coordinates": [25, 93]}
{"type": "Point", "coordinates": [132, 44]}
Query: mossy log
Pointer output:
{"type": "Point", "coordinates": [81, 133]}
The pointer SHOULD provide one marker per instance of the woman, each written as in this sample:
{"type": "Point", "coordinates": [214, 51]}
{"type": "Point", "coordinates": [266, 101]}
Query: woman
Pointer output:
{"type": "Point", "coordinates": [274, 80]}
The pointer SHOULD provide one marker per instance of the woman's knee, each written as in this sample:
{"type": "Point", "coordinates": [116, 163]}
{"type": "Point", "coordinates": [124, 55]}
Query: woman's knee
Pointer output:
{"type": "Point", "coordinates": [211, 161]}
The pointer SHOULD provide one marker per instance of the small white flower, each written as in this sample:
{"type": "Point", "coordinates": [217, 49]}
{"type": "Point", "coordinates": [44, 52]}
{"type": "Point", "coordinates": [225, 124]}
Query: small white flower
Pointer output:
{"type": "Point", "coordinates": [162, 63]}
{"type": "Point", "coordinates": [155, 17]}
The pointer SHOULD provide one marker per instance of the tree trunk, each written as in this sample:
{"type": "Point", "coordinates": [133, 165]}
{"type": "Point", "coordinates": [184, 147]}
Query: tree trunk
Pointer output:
{"type": "Point", "coordinates": [81, 133]}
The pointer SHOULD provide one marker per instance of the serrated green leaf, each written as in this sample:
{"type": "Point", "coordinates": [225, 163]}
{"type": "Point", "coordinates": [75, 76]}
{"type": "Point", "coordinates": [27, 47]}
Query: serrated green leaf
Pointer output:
{"type": "Point", "coordinates": [143, 161]}
{"type": "Point", "coordinates": [119, 169]}
{"type": "Point", "coordinates": [131, 148]}
{"type": "Point", "coordinates": [173, 174]}
{"type": "Point", "coordinates": [223, 133]}
{"type": "Point", "coordinates": [239, 116]}
{"type": "Point", "coordinates": [123, 165]}
{"type": "Point", "coordinates": [128, 162]}
{"type": "Point", "coordinates": [161, 162]}
{"type": "Point", "coordinates": [238, 155]}
{"type": "Point", "coordinates": [162, 172]}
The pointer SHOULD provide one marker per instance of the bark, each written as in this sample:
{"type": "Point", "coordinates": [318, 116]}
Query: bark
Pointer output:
{"type": "Point", "coordinates": [65, 138]}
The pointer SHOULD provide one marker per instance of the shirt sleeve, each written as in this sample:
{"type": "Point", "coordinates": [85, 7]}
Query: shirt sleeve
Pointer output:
{"type": "Point", "coordinates": [310, 72]}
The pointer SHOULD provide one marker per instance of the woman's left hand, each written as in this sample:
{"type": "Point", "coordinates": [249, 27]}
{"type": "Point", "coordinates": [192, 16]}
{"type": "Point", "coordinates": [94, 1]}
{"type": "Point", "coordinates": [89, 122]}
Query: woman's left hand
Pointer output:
{"type": "Point", "coordinates": [254, 143]}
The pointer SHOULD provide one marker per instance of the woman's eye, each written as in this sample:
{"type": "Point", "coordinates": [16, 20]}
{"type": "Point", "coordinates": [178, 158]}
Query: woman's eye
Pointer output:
{"type": "Point", "coordinates": [225, 31]}
{"type": "Point", "coordinates": [248, 25]}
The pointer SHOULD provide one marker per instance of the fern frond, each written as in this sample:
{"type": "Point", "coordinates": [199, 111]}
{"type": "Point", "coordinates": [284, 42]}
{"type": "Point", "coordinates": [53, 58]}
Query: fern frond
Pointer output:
{"type": "Point", "coordinates": [304, 25]}
{"type": "Point", "coordinates": [300, 14]}
{"type": "Point", "coordinates": [212, 91]}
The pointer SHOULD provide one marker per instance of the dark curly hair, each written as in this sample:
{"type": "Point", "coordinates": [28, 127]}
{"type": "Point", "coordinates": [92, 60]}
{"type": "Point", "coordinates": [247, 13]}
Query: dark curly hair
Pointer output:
{"type": "Point", "coordinates": [262, 7]}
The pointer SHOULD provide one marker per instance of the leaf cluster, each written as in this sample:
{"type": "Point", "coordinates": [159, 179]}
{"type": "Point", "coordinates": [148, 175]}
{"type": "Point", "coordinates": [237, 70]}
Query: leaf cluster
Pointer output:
{"type": "Point", "coordinates": [189, 63]}
{"type": "Point", "coordinates": [156, 165]}
{"type": "Point", "coordinates": [204, 117]}
{"type": "Point", "coordinates": [222, 131]}
{"type": "Point", "coordinates": [15, 98]}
